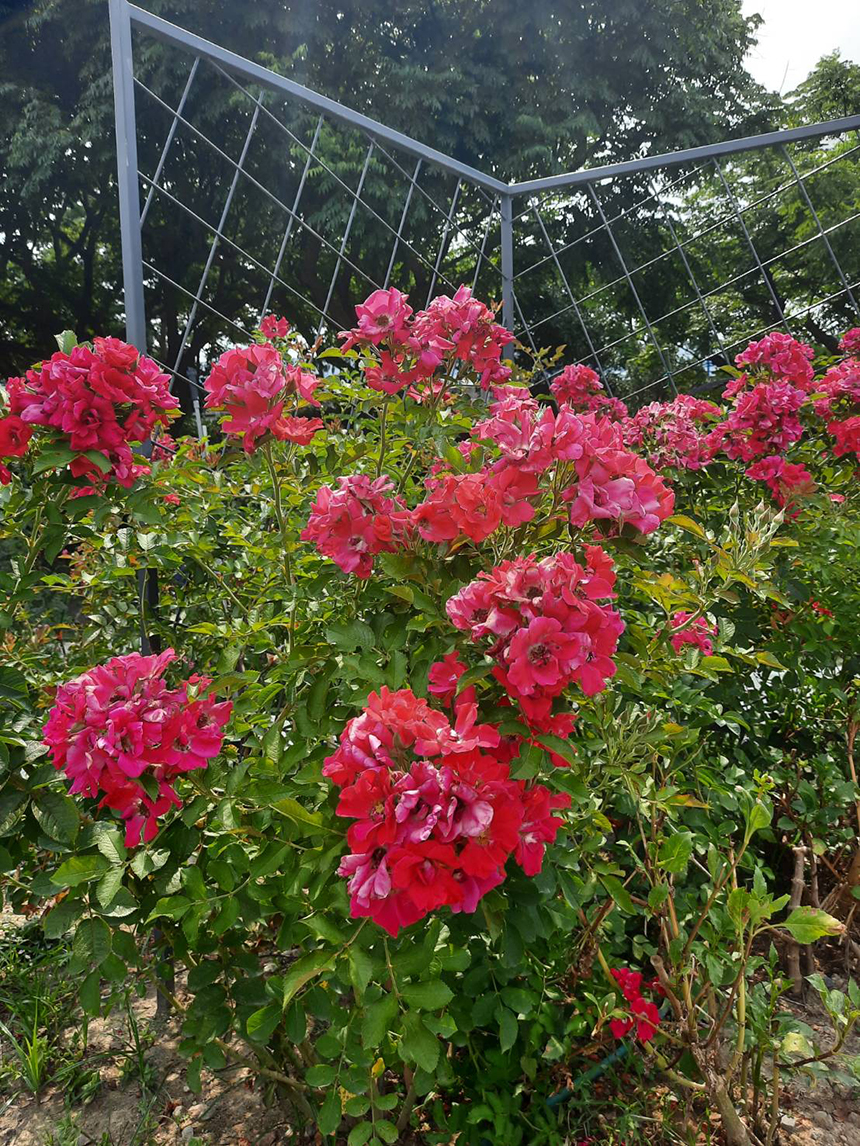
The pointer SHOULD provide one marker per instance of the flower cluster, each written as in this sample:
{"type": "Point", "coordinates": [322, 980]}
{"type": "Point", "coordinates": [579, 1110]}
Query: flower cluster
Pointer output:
{"type": "Point", "coordinates": [641, 1012]}
{"type": "Point", "coordinates": [580, 388]}
{"type": "Point", "coordinates": [543, 624]}
{"type": "Point", "coordinates": [763, 421]}
{"type": "Point", "coordinates": [787, 481]}
{"type": "Point", "coordinates": [413, 346]}
{"type": "Point", "coordinates": [779, 357]}
{"type": "Point", "coordinates": [251, 384]}
{"type": "Point", "coordinates": [698, 634]}
{"type": "Point", "coordinates": [101, 398]}
{"type": "Point", "coordinates": [120, 732]}
{"type": "Point", "coordinates": [357, 520]}
{"type": "Point", "coordinates": [614, 485]}
{"type": "Point", "coordinates": [435, 818]}
{"type": "Point", "coordinates": [674, 434]}
{"type": "Point", "coordinates": [610, 484]}
{"type": "Point", "coordinates": [850, 341]}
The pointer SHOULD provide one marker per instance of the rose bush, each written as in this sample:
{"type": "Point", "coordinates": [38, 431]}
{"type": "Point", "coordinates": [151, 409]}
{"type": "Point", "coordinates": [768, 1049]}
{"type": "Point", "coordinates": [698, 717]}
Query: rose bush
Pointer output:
{"type": "Point", "coordinates": [483, 707]}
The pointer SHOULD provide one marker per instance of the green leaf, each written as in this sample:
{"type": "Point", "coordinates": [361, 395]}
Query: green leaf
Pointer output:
{"type": "Point", "coordinates": [521, 1002]}
{"type": "Point", "coordinates": [428, 996]}
{"type": "Point", "coordinates": [560, 747]}
{"type": "Point", "coordinates": [684, 522]}
{"type": "Point", "coordinates": [99, 460]}
{"type": "Point", "coordinates": [473, 674]}
{"type": "Point", "coordinates": [321, 1075]}
{"type": "Point", "coordinates": [294, 811]}
{"type": "Point", "coordinates": [170, 907]}
{"type": "Point", "coordinates": [67, 340]}
{"type": "Point", "coordinates": [89, 995]}
{"type": "Point", "coordinates": [360, 969]}
{"type": "Point", "coordinates": [329, 1116]}
{"type": "Point", "coordinates": [386, 1130]}
{"type": "Point", "coordinates": [770, 660]}
{"type": "Point", "coordinates": [360, 1134]}
{"type": "Point", "coordinates": [303, 970]}
{"type": "Point", "coordinates": [509, 1028]}
{"type": "Point", "coordinates": [108, 886]}
{"type": "Point", "coordinates": [760, 816]}
{"type": "Point", "coordinates": [226, 917]}
{"type": "Point", "coordinates": [92, 941]}
{"type": "Point", "coordinates": [418, 1044]}
{"type": "Point", "coordinates": [59, 919]}
{"type": "Point", "coordinates": [618, 892]}
{"type": "Point", "coordinates": [110, 844]}
{"type": "Point", "coordinates": [657, 896]}
{"type": "Point", "coordinates": [377, 1020]}
{"type": "Point", "coordinates": [53, 459]}
{"type": "Point", "coordinates": [78, 870]}
{"type": "Point", "coordinates": [675, 851]}
{"type": "Point", "coordinates": [58, 816]}
{"type": "Point", "coordinates": [261, 1024]}
{"type": "Point", "coordinates": [806, 924]}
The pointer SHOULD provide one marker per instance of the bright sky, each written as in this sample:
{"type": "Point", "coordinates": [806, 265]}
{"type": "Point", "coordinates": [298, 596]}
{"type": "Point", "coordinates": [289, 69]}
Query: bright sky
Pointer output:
{"type": "Point", "coordinates": [796, 34]}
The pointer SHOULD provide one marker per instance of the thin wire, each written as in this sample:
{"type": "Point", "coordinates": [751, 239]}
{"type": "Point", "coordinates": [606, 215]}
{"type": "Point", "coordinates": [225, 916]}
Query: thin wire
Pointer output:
{"type": "Point", "coordinates": [821, 230]}
{"type": "Point", "coordinates": [404, 213]}
{"type": "Point", "coordinates": [632, 287]}
{"type": "Point", "coordinates": [169, 140]}
{"type": "Point", "coordinates": [218, 232]}
{"type": "Point", "coordinates": [293, 216]}
{"type": "Point", "coordinates": [301, 222]}
{"type": "Point", "coordinates": [346, 232]}
{"type": "Point", "coordinates": [444, 241]}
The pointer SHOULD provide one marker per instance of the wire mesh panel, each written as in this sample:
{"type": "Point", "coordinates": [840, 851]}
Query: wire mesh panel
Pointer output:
{"type": "Point", "coordinates": [243, 193]}
{"type": "Point", "coordinates": [256, 200]}
{"type": "Point", "coordinates": [659, 275]}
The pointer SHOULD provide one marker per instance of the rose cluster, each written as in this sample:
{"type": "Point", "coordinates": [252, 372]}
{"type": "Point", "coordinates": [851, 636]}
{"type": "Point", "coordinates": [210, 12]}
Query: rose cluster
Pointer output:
{"type": "Point", "coordinates": [608, 483]}
{"type": "Point", "coordinates": [102, 398]}
{"type": "Point", "coordinates": [251, 384]}
{"type": "Point", "coordinates": [674, 434]}
{"type": "Point", "coordinates": [698, 634]}
{"type": "Point", "coordinates": [542, 624]}
{"type": "Point", "coordinates": [580, 388]}
{"type": "Point", "coordinates": [776, 356]}
{"type": "Point", "coordinates": [642, 1012]}
{"type": "Point", "coordinates": [787, 481]}
{"type": "Point", "coordinates": [435, 817]}
{"type": "Point", "coordinates": [121, 732]}
{"type": "Point", "coordinates": [354, 522]}
{"type": "Point", "coordinates": [412, 346]}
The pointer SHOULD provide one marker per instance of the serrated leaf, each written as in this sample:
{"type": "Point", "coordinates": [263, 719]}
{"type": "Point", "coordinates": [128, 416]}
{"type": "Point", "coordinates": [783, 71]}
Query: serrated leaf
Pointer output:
{"type": "Point", "coordinates": [428, 996]}
{"type": "Point", "coordinates": [329, 1116]}
{"type": "Point", "coordinates": [360, 969]}
{"type": "Point", "coordinates": [262, 1023]}
{"type": "Point", "coordinates": [92, 940]}
{"type": "Point", "coordinates": [303, 970]}
{"type": "Point", "coordinates": [807, 924]}
{"type": "Point", "coordinates": [110, 844]}
{"type": "Point", "coordinates": [377, 1020]}
{"type": "Point", "coordinates": [418, 1045]}
{"type": "Point", "coordinates": [509, 1028]}
{"type": "Point", "coordinates": [108, 886]}
{"type": "Point", "coordinates": [57, 816]}
{"type": "Point", "coordinates": [170, 907]}
{"type": "Point", "coordinates": [78, 870]}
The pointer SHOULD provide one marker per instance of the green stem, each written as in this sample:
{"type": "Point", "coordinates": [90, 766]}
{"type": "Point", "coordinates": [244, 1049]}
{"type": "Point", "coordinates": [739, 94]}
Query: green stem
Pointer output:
{"type": "Point", "coordinates": [285, 539]}
{"type": "Point", "coordinates": [383, 440]}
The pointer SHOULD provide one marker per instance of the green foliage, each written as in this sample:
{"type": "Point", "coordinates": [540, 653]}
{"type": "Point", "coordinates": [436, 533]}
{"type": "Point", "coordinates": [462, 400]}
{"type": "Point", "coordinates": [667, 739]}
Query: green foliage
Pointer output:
{"type": "Point", "coordinates": [691, 780]}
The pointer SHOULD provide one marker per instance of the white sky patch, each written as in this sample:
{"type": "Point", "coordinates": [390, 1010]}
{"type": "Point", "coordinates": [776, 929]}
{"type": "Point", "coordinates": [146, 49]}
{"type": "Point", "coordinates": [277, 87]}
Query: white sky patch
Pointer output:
{"type": "Point", "coordinates": [796, 34]}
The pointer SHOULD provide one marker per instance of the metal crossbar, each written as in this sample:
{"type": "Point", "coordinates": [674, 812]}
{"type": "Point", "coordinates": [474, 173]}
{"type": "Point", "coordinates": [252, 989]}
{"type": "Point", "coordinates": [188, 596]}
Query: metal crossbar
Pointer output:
{"type": "Point", "coordinates": [673, 259]}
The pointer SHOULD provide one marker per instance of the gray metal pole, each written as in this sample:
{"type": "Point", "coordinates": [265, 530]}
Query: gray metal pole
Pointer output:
{"type": "Point", "coordinates": [506, 211]}
{"type": "Point", "coordinates": [127, 180]}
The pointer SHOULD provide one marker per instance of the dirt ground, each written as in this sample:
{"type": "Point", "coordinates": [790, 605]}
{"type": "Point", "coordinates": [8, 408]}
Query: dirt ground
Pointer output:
{"type": "Point", "coordinates": [229, 1111]}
